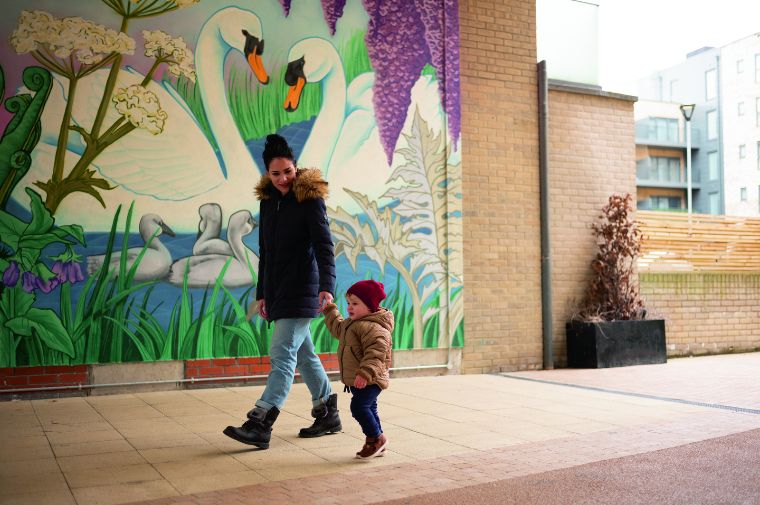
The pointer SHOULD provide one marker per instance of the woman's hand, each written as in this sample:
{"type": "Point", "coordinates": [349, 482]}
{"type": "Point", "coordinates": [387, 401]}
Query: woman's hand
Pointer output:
{"type": "Point", "coordinates": [325, 297]}
{"type": "Point", "coordinates": [360, 382]}
{"type": "Point", "coordinates": [263, 309]}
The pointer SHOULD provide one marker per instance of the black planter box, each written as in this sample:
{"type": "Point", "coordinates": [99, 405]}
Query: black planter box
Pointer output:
{"type": "Point", "coordinates": [615, 343]}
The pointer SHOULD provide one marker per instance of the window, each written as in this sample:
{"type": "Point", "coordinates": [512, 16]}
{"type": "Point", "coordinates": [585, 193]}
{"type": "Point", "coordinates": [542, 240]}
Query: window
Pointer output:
{"type": "Point", "coordinates": [712, 124]}
{"type": "Point", "coordinates": [673, 90]}
{"type": "Point", "coordinates": [739, 66]}
{"type": "Point", "coordinates": [757, 67]}
{"type": "Point", "coordinates": [740, 108]}
{"type": "Point", "coordinates": [711, 85]}
{"type": "Point", "coordinates": [659, 168]}
{"type": "Point", "coordinates": [663, 203]}
{"type": "Point", "coordinates": [743, 194]}
{"type": "Point", "coordinates": [664, 129]}
{"type": "Point", "coordinates": [714, 201]}
{"type": "Point", "coordinates": [742, 151]}
{"type": "Point", "coordinates": [758, 155]}
{"type": "Point", "coordinates": [757, 111]}
{"type": "Point", "coordinates": [712, 165]}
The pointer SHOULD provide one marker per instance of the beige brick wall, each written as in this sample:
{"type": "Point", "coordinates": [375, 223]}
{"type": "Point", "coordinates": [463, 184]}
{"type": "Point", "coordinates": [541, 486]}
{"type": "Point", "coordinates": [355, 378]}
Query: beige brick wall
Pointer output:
{"type": "Point", "coordinates": [591, 156]}
{"type": "Point", "coordinates": [501, 193]}
{"type": "Point", "coordinates": [705, 312]}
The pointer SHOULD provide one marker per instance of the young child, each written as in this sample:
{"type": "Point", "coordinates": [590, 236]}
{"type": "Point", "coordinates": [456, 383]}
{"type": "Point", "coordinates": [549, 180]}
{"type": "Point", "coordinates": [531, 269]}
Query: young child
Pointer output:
{"type": "Point", "coordinates": [365, 356]}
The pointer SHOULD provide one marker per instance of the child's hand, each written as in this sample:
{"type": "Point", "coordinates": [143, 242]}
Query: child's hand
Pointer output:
{"type": "Point", "coordinates": [325, 297]}
{"type": "Point", "coordinates": [360, 382]}
{"type": "Point", "coordinates": [263, 309]}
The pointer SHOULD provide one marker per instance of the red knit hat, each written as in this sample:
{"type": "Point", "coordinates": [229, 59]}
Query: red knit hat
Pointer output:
{"type": "Point", "coordinates": [370, 292]}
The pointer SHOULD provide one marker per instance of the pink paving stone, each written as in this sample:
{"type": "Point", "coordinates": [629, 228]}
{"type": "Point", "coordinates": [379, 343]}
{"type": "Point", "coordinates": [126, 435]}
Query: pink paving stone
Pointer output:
{"type": "Point", "coordinates": [419, 477]}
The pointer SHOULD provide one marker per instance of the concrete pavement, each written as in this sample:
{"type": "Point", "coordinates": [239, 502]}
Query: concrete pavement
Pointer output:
{"type": "Point", "coordinates": [446, 433]}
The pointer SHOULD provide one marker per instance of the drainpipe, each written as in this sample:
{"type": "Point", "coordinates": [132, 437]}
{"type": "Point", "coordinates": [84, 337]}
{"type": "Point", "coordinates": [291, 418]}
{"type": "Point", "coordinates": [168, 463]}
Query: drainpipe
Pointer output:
{"type": "Point", "coordinates": [547, 327]}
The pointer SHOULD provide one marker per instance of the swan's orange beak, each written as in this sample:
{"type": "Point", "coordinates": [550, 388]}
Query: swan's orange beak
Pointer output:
{"type": "Point", "coordinates": [254, 60]}
{"type": "Point", "coordinates": [294, 95]}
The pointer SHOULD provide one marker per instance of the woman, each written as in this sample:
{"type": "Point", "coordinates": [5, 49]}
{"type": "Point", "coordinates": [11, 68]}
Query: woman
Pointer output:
{"type": "Point", "coordinates": [296, 278]}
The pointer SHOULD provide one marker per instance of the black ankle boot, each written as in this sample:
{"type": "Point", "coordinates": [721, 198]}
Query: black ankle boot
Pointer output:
{"type": "Point", "coordinates": [326, 419]}
{"type": "Point", "coordinates": [257, 430]}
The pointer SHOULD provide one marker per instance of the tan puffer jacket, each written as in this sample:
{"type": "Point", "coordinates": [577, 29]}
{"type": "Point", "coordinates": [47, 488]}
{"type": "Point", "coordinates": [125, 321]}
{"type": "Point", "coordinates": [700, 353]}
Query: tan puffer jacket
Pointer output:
{"type": "Point", "coordinates": [365, 345]}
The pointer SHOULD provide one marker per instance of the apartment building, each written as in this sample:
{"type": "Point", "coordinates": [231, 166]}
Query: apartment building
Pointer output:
{"type": "Point", "coordinates": [661, 171]}
{"type": "Point", "coordinates": [724, 85]}
{"type": "Point", "coordinates": [740, 99]}
{"type": "Point", "coordinates": [695, 81]}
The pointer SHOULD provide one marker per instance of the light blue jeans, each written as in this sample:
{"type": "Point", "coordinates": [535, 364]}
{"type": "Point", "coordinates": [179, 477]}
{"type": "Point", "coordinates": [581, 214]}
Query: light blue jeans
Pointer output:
{"type": "Point", "coordinates": [292, 348]}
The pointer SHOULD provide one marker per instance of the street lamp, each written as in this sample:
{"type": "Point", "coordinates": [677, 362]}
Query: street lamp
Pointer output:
{"type": "Point", "coordinates": [688, 110]}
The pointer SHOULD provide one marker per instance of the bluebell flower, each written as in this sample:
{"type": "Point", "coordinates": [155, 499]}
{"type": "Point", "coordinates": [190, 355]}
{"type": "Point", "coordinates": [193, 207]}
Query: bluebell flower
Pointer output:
{"type": "Point", "coordinates": [68, 271]}
{"type": "Point", "coordinates": [11, 275]}
{"type": "Point", "coordinates": [46, 286]}
{"type": "Point", "coordinates": [28, 280]}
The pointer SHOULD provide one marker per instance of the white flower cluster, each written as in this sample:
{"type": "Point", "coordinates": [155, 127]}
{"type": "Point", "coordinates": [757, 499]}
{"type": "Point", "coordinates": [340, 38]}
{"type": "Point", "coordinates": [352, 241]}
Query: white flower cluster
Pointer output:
{"type": "Point", "coordinates": [141, 108]}
{"type": "Point", "coordinates": [174, 51]}
{"type": "Point", "coordinates": [87, 41]}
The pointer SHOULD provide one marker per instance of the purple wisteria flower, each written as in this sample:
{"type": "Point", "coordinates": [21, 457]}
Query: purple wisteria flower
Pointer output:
{"type": "Point", "coordinates": [11, 275]}
{"type": "Point", "coordinates": [68, 271]}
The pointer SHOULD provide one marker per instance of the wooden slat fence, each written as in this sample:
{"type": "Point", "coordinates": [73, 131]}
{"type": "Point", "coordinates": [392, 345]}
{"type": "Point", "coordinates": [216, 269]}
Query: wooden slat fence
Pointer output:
{"type": "Point", "coordinates": [711, 243]}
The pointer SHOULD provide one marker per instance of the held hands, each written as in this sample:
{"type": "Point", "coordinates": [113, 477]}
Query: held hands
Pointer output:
{"type": "Point", "coordinates": [256, 307]}
{"type": "Point", "coordinates": [360, 382]}
{"type": "Point", "coordinates": [263, 309]}
{"type": "Point", "coordinates": [325, 297]}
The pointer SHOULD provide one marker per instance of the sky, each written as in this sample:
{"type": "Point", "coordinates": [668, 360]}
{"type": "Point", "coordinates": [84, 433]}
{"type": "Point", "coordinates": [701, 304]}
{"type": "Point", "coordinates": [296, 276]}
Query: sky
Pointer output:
{"type": "Point", "coordinates": [638, 37]}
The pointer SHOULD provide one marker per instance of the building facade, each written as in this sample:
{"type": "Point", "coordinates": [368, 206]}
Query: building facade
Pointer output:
{"type": "Point", "coordinates": [661, 164]}
{"type": "Point", "coordinates": [724, 85]}
{"type": "Point", "coordinates": [695, 81]}
{"type": "Point", "coordinates": [740, 99]}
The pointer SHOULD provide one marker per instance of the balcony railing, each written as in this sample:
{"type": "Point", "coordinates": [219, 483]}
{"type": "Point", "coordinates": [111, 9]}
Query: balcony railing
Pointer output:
{"type": "Point", "coordinates": [648, 174]}
{"type": "Point", "coordinates": [645, 134]}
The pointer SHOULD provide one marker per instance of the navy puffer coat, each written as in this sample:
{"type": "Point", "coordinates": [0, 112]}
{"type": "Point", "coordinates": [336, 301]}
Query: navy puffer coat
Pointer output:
{"type": "Point", "coordinates": [296, 257]}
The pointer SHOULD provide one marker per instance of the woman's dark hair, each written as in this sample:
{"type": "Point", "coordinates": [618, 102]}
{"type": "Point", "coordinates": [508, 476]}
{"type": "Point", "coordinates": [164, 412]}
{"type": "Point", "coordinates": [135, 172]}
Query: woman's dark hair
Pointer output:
{"type": "Point", "coordinates": [277, 147]}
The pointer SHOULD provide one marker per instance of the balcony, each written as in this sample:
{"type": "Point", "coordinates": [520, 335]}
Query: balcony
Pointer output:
{"type": "Point", "coordinates": [651, 174]}
{"type": "Point", "coordinates": [650, 133]}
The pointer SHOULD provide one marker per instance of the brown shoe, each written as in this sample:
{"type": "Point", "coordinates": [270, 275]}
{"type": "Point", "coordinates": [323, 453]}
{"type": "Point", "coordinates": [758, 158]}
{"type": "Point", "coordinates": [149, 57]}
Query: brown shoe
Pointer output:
{"type": "Point", "coordinates": [373, 446]}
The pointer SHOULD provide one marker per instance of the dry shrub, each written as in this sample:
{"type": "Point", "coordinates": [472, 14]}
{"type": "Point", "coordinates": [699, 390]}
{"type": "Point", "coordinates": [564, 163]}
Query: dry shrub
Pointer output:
{"type": "Point", "coordinates": [614, 290]}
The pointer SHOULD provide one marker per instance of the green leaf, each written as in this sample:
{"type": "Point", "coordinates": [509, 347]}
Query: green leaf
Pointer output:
{"type": "Point", "coordinates": [28, 258]}
{"type": "Point", "coordinates": [74, 231]}
{"type": "Point", "coordinates": [42, 221]}
{"type": "Point", "coordinates": [14, 302]}
{"type": "Point", "coordinates": [43, 272]}
{"type": "Point", "coordinates": [11, 229]}
{"type": "Point", "coordinates": [145, 353]}
{"type": "Point", "coordinates": [41, 240]}
{"type": "Point", "coordinates": [47, 326]}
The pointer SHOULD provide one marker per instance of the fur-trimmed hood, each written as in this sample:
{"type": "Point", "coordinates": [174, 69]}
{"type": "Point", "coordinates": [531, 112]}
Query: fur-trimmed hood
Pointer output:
{"type": "Point", "coordinates": [308, 185]}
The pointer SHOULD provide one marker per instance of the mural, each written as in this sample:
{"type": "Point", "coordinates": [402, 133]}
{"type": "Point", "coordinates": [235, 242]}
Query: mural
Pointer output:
{"type": "Point", "coordinates": [132, 140]}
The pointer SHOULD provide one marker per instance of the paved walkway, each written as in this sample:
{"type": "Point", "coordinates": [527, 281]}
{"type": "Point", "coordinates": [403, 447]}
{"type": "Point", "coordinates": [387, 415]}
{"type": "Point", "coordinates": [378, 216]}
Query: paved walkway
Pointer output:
{"type": "Point", "coordinates": [446, 433]}
{"type": "Point", "coordinates": [716, 471]}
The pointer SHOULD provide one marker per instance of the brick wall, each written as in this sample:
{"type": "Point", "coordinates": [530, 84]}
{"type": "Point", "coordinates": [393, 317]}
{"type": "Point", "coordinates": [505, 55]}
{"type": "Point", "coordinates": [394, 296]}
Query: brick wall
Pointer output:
{"type": "Point", "coordinates": [43, 376]}
{"type": "Point", "coordinates": [237, 367]}
{"type": "Point", "coordinates": [591, 156]}
{"type": "Point", "coordinates": [705, 312]}
{"type": "Point", "coordinates": [500, 182]}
